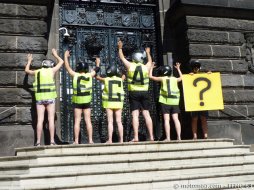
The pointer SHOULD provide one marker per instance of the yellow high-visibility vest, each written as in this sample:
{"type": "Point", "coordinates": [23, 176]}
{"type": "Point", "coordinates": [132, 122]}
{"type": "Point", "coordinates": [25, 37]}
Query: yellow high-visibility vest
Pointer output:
{"type": "Point", "coordinates": [44, 85]}
{"type": "Point", "coordinates": [82, 88]}
{"type": "Point", "coordinates": [113, 93]}
{"type": "Point", "coordinates": [138, 79]}
{"type": "Point", "coordinates": [169, 92]}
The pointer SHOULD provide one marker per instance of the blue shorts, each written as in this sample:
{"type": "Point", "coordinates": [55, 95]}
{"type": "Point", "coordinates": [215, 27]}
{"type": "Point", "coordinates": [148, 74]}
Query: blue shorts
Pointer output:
{"type": "Point", "coordinates": [45, 102]}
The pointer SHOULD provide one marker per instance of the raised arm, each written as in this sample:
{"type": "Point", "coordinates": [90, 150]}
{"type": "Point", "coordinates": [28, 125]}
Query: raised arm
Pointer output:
{"type": "Point", "coordinates": [149, 58]}
{"type": "Point", "coordinates": [100, 78]}
{"type": "Point", "coordinates": [151, 74]}
{"type": "Point", "coordinates": [66, 63]}
{"type": "Point", "coordinates": [29, 61]}
{"type": "Point", "coordinates": [59, 61]}
{"type": "Point", "coordinates": [177, 66]}
{"type": "Point", "coordinates": [123, 77]}
{"type": "Point", "coordinates": [126, 63]}
{"type": "Point", "coordinates": [97, 67]}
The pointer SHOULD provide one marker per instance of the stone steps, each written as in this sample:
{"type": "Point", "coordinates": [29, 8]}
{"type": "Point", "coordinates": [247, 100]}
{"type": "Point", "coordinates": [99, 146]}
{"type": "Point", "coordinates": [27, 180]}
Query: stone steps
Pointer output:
{"type": "Point", "coordinates": [137, 164]}
{"type": "Point", "coordinates": [121, 148]}
{"type": "Point", "coordinates": [79, 162]}
{"type": "Point", "coordinates": [91, 153]}
{"type": "Point", "coordinates": [107, 156]}
{"type": "Point", "coordinates": [91, 159]}
{"type": "Point", "coordinates": [210, 175]}
{"type": "Point", "coordinates": [144, 165]}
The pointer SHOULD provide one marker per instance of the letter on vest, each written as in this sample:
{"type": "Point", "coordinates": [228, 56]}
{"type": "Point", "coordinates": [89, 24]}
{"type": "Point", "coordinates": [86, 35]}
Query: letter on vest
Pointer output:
{"type": "Point", "coordinates": [79, 93]}
{"type": "Point", "coordinates": [39, 90]}
{"type": "Point", "coordinates": [110, 98]}
{"type": "Point", "coordinates": [138, 71]}
{"type": "Point", "coordinates": [169, 90]}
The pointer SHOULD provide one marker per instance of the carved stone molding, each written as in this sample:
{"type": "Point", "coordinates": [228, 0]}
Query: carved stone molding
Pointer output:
{"type": "Point", "coordinates": [250, 51]}
{"type": "Point", "coordinates": [112, 15]}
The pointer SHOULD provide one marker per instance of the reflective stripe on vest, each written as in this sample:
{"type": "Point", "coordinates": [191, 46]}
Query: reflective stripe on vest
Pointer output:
{"type": "Point", "coordinates": [44, 85]}
{"type": "Point", "coordinates": [138, 79]}
{"type": "Point", "coordinates": [82, 88]}
{"type": "Point", "coordinates": [169, 92]}
{"type": "Point", "coordinates": [113, 93]}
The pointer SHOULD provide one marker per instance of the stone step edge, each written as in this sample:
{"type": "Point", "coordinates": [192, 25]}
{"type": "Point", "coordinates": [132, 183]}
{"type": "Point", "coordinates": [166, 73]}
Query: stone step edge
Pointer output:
{"type": "Point", "coordinates": [224, 186]}
{"type": "Point", "coordinates": [34, 157]}
{"type": "Point", "coordinates": [140, 151]}
{"type": "Point", "coordinates": [142, 181]}
{"type": "Point", "coordinates": [101, 162]}
{"type": "Point", "coordinates": [126, 171]}
{"type": "Point", "coordinates": [122, 144]}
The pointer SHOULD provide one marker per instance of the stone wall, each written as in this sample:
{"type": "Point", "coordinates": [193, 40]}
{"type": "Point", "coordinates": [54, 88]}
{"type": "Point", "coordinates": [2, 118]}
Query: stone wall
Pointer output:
{"type": "Point", "coordinates": [219, 39]}
{"type": "Point", "coordinates": [24, 29]}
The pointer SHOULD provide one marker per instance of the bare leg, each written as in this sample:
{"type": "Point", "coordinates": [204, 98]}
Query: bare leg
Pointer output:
{"type": "Point", "coordinates": [177, 125]}
{"type": "Point", "coordinates": [89, 128]}
{"type": "Point", "coordinates": [119, 124]}
{"type": "Point", "coordinates": [40, 118]}
{"type": "Point", "coordinates": [149, 123]}
{"type": "Point", "coordinates": [135, 124]}
{"type": "Point", "coordinates": [167, 126]}
{"type": "Point", "coordinates": [51, 119]}
{"type": "Point", "coordinates": [77, 116]}
{"type": "Point", "coordinates": [110, 124]}
{"type": "Point", "coordinates": [204, 126]}
{"type": "Point", "coordinates": [194, 123]}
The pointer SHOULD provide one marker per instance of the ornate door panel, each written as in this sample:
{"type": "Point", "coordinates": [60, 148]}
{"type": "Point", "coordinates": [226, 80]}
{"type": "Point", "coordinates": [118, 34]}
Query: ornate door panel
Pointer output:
{"type": "Point", "coordinates": [96, 27]}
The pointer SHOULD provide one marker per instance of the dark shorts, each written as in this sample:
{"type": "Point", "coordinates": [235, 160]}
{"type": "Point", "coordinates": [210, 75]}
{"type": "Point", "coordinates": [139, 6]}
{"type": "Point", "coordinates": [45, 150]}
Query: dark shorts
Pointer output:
{"type": "Point", "coordinates": [170, 109]}
{"type": "Point", "coordinates": [199, 113]}
{"type": "Point", "coordinates": [139, 100]}
{"type": "Point", "coordinates": [81, 106]}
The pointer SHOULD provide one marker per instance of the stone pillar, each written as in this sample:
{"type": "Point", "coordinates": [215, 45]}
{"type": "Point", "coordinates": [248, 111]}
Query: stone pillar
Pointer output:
{"type": "Point", "coordinates": [216, 33]}
{"type": "Point", "coordinates": [164, 6]}
{"type": "Point", "coordinates": [23, 30]}
{"type": "Point", "coordinates": [53, 42]}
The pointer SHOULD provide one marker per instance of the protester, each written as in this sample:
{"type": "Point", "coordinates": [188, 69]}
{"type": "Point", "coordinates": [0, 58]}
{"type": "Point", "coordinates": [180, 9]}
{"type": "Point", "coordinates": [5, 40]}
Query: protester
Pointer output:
{"type": "Point", "coordinates": [113, 99]}
{"type": "Point", "coordinates": [138, 84]}
{"type": "Point", "coordinates": [82, 94]}
{"type": "Point", "coordinates": [45, 93]}
{"type": "Point", "coordinates": [169, 97]}
{"type": "Point", "coordinates": [195, 115]}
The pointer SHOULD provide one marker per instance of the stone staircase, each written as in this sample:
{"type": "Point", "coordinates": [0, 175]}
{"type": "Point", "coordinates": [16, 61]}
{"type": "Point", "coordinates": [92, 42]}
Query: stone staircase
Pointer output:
{"type": "Point", "coordinates": [201, 164]}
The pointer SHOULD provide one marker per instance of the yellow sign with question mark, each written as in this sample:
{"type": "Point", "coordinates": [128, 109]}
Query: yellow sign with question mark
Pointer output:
{"type": "Point", "coordinates": [202, 92]}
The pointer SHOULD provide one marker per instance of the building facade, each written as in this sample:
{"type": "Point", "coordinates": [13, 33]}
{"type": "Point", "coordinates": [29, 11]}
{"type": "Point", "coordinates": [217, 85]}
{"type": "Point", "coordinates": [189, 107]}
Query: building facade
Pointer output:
{"type": "Point", "coordinates": [217, 33]}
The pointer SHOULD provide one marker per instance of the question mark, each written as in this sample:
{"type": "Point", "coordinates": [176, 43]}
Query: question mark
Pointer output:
{"type": "Point", "coordinates": [204, 90]}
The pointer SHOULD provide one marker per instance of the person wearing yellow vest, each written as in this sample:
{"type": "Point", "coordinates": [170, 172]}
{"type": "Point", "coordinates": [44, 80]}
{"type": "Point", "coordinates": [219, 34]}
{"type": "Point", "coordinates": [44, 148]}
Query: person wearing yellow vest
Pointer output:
{"type": "Point", "coordinates": [82, 94]}
{"type": "Point", "coordinates": [169, 97]}
{"type": "Point", "coordinates": [45, 93]}
{"type": "Point", "coordinates": [138, 84]}
{"type": "Point", "coordinates": [112, 100]}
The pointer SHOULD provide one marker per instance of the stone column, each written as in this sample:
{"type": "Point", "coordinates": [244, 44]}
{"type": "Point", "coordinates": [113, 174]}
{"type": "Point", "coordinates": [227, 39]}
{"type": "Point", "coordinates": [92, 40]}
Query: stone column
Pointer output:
{"type": "Point", "coordinates": [217, 34]}
{"type": "Point", "coordinates": [23, 30]}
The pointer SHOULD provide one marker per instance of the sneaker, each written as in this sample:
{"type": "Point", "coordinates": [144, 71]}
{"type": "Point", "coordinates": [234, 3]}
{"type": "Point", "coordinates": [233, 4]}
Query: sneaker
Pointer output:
{"type": "Point", "coordinates": [37, 144]}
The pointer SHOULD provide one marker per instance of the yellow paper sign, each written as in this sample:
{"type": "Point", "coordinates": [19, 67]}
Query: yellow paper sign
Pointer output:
{"type": "Point", "coordinates": [202, 92]}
